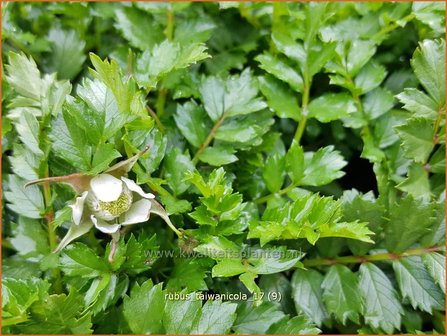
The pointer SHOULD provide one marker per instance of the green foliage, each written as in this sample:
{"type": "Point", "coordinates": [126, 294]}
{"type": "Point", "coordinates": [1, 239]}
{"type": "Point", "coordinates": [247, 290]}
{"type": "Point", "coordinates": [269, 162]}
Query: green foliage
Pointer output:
{"type": "Point", "coordinates": [297, 147]}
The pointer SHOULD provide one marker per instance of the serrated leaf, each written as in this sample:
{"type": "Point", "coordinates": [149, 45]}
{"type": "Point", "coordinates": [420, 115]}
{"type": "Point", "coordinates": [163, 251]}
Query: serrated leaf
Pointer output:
{"type": "Point", "coordinates": [274, 172]}
{"type": "Point", "coordinates": [103, 157]}
{"type": "Point", "coordinates": [331, 106]}
{"type": "Point", "coordinates": [382, 308]}
{"type": "Point", "coordinates": [416, 284]}
{"type": "Point", "coordinates": [29, 238]}
{"type": "Point", "coordinates": [307, 295]}
{"type": "Point", "coordinates": [190, 119]}
{"type": "Point", "coordinates": [177, 165]}
{"type": "Point", "coordinates": [417, 139]}
{"type": "Point", "coordinates": [410, 219]}
{"type": "Point", "coordinates": [67, 55]}
{"type": "Point", "coordinates": [295, 162]}
{"type": "Point", "coordinates": [180, 315]}
{"type": "Point", "coordinates": [143, 309]}
{"type": "Point", "coordinates": [29, 132]}
{"type": "Point", "coordinates": [281, 70]}
{"type": "Point", "coordinates": [300, 325]}
{"type": "Point", "coordinates": [429, 67]}
{"type": "Point", "coordinates": [28, 201]}
{"type": "Point", "coordinates": [322, 167]}
{"type": "Point", "coordinates": [377, 102]}
{"type": "Point", "coordinates": [24, 163]}
{"type": "Point", "coordinates": [370, 77]}
{"type": "Point", "coordinates": [340, 294]}
{"type": "Point", "coordinates": [218, 155]}
{"type": "Point", "coordinates": [188, 273]}
{"type": "Point", "coordinates": [217, 318]}
{"type": "Point", "coordinates": [138, 27]}
{"type": "Point", "coordinates": [416, 183]}
{"type": "Point", "coordinates": [418, 103]}
{"type": "Point", "coordinates": [274, 285]}
{"type": "Point", "coordinates": [279, 97]}
{"type": "Point", "coordinates": [435, 264]}
{"type": "Point", "coordinates": [79, 260]}
{"type": "Point", "coordinates": [256, 320]}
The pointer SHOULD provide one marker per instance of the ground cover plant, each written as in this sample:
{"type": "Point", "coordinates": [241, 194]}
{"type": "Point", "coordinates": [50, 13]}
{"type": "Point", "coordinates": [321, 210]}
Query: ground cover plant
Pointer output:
{"type": "Point", "coordinates": [212, 168]}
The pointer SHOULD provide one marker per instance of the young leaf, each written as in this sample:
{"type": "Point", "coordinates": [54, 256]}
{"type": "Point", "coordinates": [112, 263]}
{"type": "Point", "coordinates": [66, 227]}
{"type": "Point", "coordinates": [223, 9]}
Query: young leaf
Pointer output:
{"type": "Point", "coordinates": [322, 167]}
{"type": "Point", "coordinates": [417, 285]}
{"type": "Point", "coordinates": [78, 260]}
{"type": "Point", "coordinates": [382, 308]}
{"type": "Point", "coordinates": [274, 171]}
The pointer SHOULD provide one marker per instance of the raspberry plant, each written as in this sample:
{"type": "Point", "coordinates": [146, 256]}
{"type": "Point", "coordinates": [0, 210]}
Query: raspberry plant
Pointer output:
{"type": "Point", "coordinates": [296, 152]}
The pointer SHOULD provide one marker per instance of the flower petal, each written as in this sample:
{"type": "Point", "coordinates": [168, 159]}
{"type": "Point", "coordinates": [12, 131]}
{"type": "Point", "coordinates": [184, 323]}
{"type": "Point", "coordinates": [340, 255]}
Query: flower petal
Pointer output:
{"type": "Point", "coordinates": [136, 188]}
{"type": "Point", "coordinates": [139, 212]}
{"type": "Point", "coordinates": [104, 226]}
{"type": "Point", "coordinates": [106, 187]}
{"type": "Point", "coordinates": [78, 207]}
{"type": "Point", "coordinates": [74, 232]}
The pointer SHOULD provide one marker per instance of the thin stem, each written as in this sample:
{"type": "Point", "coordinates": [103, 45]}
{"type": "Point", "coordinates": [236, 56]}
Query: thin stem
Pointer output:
{"type": "Point", "coordinates": [281, 192]}
{"type": "Point", "coordinates": [161, 101]}
{"type": "Point", "coordinates": [208, 140]}
{"type": "Point", "coordinates": [156, 119]}
{"type": "Point", "coordinates": [303, 120]}
{"type": "Point", "coordinates": [52, 237]}
{"type": "Point", "coordinates": [437, 124]}
{"type": "Point", "coordinates": [387, 29]}
{"type": "Point", "coordinates": [369, 258]}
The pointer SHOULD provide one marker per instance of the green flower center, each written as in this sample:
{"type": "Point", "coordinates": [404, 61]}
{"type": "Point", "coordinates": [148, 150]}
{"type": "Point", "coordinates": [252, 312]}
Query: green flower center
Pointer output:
{"type": "Point", "coordinates": [116, 208]}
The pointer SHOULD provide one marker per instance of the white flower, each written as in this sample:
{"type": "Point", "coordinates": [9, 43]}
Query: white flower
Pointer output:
{"type": "Point", "coordinates": [112, 202]}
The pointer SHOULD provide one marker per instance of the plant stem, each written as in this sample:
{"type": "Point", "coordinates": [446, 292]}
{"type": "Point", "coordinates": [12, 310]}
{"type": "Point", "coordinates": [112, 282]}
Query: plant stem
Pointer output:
{"type": "Point", "coordinates": [52, 237]}
{"type": "Point", "coordinates": [208, 139]}
{"type": "Point", "coordinates": [303, 120]}
{"type": "Point", "coordinates": [387, 29]}
{"type": "Point", "coordinates": [369, 258]}
{"type": "Point", "coordinates": [437, 124]}
{"type": "Point", "coordinates": [156, 119]}
{"type": "Point", "coordinates": [281, 192]}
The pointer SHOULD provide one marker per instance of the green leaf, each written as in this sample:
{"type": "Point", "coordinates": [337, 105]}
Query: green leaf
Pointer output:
{"type": "Point", "coordinates": [431, 14]}
{"type": "Point", "coordinates": [217, 318]}
{"type": "Point", "coordinates": [59, 314]}
{"type": "Point", "coordinates": [70, 141]}
{"type": "Point", "coordinates": [417, 285]}
{"type": "Point", "coordinates": [274, 172]}
{"type": "Point", "coordinates": [295, 162]}
{"type": "Point", "coordinates": [104, 155]}
{"type": "Point", "coordinates": [139, 257]}
{"type": "Point", "coordinates": [340, 294]}
{"type": "Point", "coordinates": [138, 28]}
{"type": "Point", "coordinates": [218, 248]}
{"type": "Point", "coordinates": [274, 285]}
{"type": "Point", "coordinates": [354, 230]}
{"type": "Point", "coordinates": [26, 202]}
{"type": "Point", "coordinates": [377, 103]}
{"type": "Point", "coordinates": [410, 219]}
{"type": "Point", "coordinates": [67, 54]}
{"type": "Point", "coordinates": [237, 95]}
{"type": "Point", "coordinates": [29, 132]}
{"type": "Point", "coordinates": [79, 260]}
{"type": "Point", "coordinates": [418, 103]}
{"type": "Point", "coordinates": [417, 183]}
{"type": "Point", "coordinates": [281, 70]}
{"type": "Point", "coordinates": [177, 165]}
{"type": "Point", "coordinates": [322, 167]}
{"type": "Point", "coordinates": [143, 309]}
{"type": "Point", "coordinates": [218, 156]}
{"type": "Point", "coordinates": [29, 238]}
{"type": "Point", "coordinates": [370, 77]}
{"type": "Point", "coordinates": [188, 273]}
{"type": "Point", "coordinates": [307, 295]}
{"type": "Point", "coordinates": [360, 52]}
{"type": "Point", "coordinates": [279, 97]}
{"type": "Point", "coordinates": [190, 119]}
{"type": "Point", "coordinates": [296, 325]}
{"type": "Point", "coordinates": [382, 307]}
{"type": "Point", "coordinates": [256, 320]}
{"type": "Point", "coordinates": [24, 163]}
{"type": "Point", "coordinates": [417, 139]}
{"type": "Point", "coordinates": [331, 106]}
{"type": "Point", "coordinates": [180, 315]}
{"type": "Point", "coordinates": [429, 67]}
{"type": "Point", "coordinates": [435, 264]}
{"type": "Point", "coordinates": [24, 76]}
{"type": "Point", "coordinates": [269, 261]}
